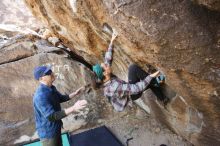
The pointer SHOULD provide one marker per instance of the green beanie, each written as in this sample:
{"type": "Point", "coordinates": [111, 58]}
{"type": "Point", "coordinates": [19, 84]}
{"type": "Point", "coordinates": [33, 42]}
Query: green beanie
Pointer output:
{"type": "Point", "coordinates": [98, 71]}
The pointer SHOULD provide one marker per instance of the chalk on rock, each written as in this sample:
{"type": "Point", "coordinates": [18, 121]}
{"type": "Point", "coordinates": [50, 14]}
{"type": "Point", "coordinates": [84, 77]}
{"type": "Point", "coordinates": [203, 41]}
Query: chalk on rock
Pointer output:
{"type": "Point", "coordinates": [45, 33]}
{"type": "Point", "coordinates": [157, 130]}
{"type": "Point", "coordinates": [142, 105]}
{"type": "Point", "coordinates": [115, 33]}
{"type": "Point", "coordinates": [61, 46]}
{"type": "Point", "coordinates": [53, 40]}
{"type": "Point", "coordinates": [107, 28]}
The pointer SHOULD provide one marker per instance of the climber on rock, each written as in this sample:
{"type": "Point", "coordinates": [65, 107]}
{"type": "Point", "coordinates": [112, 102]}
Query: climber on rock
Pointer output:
{"type": "Point", "coordinates": [120, 92]}
{"type": "Point", "coordinates": [47, 109]}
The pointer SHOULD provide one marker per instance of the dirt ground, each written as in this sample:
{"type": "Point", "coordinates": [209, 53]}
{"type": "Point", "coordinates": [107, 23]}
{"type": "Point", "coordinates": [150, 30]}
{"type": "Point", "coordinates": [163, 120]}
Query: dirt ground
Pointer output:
{"type": "Point", "coordinates": [144, 130]}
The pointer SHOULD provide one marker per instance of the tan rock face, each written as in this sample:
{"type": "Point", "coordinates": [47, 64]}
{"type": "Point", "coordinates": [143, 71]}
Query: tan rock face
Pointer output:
{"type": "Point", "coordinates": [15, 17]}
{"type": "Point", "coordinates": [14, 12]}
{"type": "Point", "coordinates": [211, 4]}
{"type": "Point", "coordinates": [178, 37]}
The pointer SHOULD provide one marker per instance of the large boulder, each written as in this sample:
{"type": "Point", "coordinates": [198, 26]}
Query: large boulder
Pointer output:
{"type": "Point", "coordinates": [180, 38]}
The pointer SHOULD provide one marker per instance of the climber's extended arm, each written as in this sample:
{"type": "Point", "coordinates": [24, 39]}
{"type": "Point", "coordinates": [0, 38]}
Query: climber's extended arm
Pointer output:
{"type": "Point", "coordinates": [108, 54]}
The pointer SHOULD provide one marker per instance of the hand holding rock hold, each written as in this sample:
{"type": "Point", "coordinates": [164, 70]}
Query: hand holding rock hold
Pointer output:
{"type": "Point", "coordinates": [153, 75]}
{"type": "Point", "coordinates": [114, 35]}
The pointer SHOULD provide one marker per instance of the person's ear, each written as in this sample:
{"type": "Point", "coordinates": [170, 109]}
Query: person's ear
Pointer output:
{"type": "Point", "coordinates": [43, 78]}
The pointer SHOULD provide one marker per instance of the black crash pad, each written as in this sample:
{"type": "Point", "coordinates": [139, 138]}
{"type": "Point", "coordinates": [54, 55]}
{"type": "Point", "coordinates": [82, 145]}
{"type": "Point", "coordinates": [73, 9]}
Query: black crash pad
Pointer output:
{"type": "Point", "coordinates": [100, 136]}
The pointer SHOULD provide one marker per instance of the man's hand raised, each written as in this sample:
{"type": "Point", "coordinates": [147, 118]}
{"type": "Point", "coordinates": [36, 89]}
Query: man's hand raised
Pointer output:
{"type": "Point", "coordinates": [79, 105]}
{"type": "Point", "coordinates": [79, 90]}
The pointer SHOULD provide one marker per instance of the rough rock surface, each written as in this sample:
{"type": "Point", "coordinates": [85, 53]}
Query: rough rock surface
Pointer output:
{"type": "Point", "coordinates": [180, 38]}
{"type": "Point", "coordinates": [15, 18]}
{"type": "Point", "coordinates": [211, 4]}
{"type": "Point", "coordinates": [14, 12]}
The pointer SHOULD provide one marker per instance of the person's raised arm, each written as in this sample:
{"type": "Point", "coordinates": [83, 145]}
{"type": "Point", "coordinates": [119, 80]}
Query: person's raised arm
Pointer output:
{"type": "Point", "coordinates": [108, 54]}
{"type": "Point", "coordinates": [78, 91]}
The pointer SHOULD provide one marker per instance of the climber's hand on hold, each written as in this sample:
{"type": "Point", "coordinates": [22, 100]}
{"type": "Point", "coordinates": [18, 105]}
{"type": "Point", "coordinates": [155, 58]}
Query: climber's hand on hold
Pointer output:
{"type": "Point", "coordinates": [114, 35]}
{"type": "Point", "coordinates": [153, 75]}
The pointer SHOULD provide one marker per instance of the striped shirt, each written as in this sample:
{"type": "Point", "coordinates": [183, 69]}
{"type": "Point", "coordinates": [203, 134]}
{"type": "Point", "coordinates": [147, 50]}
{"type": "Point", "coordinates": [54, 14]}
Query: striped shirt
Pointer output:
{"type": "Point", "coordinates": [118, 91]}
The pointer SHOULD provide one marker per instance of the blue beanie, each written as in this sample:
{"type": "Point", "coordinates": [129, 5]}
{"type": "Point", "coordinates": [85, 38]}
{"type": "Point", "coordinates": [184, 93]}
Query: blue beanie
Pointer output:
{"type": "Point", "coordinates": [98, 71]}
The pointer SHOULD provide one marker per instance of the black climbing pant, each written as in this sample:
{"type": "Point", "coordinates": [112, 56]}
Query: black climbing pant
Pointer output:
{"type": "Point", "coordinates": [135, 74]}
